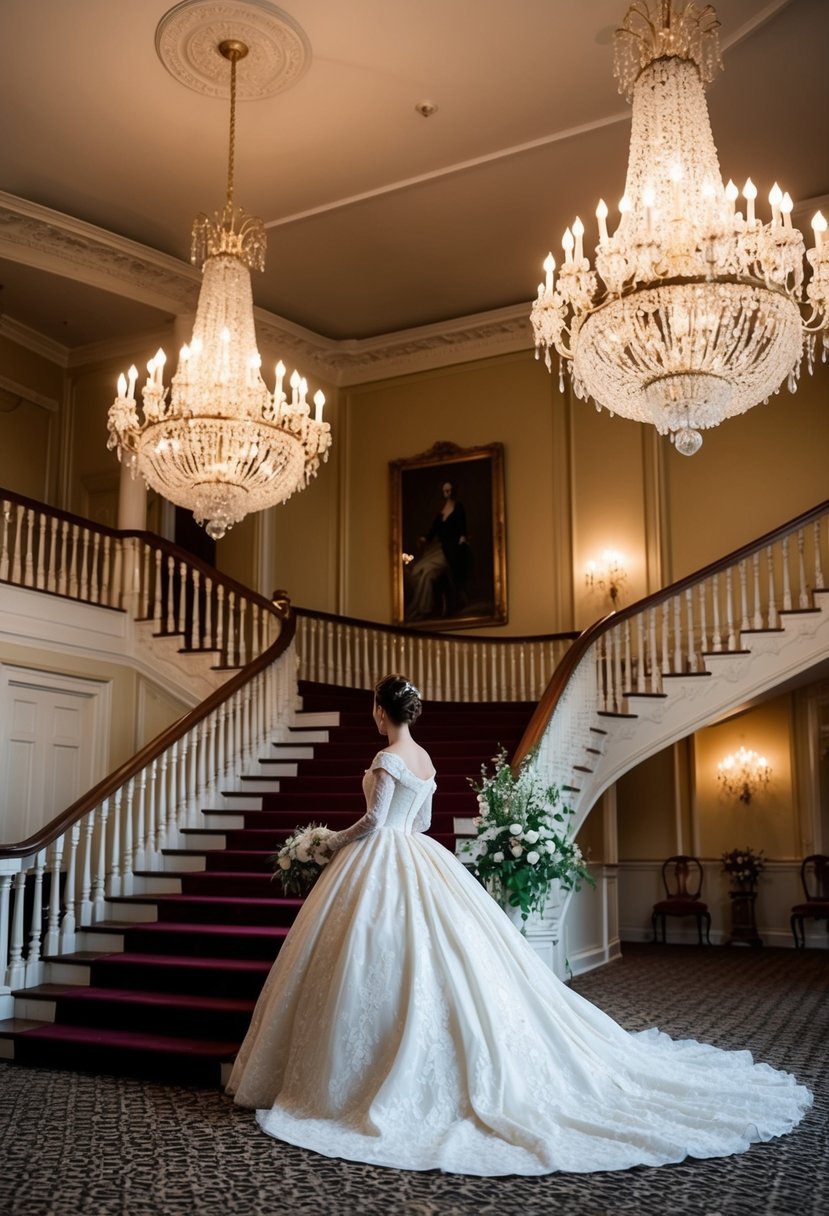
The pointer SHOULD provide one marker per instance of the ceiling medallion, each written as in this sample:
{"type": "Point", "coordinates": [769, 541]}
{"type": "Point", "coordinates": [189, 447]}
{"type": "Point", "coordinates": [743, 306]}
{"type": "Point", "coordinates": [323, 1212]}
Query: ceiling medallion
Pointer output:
{"type": "Point", "coordinates": [696, 310]}
{"type": "Point", "coordinates": [187, 38]}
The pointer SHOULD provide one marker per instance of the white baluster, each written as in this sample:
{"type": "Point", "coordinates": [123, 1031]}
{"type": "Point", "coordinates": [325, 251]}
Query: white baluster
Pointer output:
{"type": "Point", "coordinates": [4, 556]}
{"type": "Point", "coordinates": [640, 652]}
{"type": "Point", "coordinates": [114, 867]}
{"type": "Point", "coordinates": [152, 856]}
{"type": "Point", "coordinates": [757, 619]}
{"type": "Point", "coordinates": [743, 596]}
{"type": "Point", "coordinates": [195, 624]}
{"type": "Point", "coordinates": [85, 909]}
{"type": "Point", "coordinates": [703, 624]}
{"type": "Point", "coordinates": [158, 608]}
{"type": "Point", "coordinates": [729, 609]}
{"type": "Point", "coordinates": [655, 670]}
{"type": "Point", "coordinates": [243, 649]}
{"type": "Point", "coordinates": [5, 901]}
{"type": "Point", "coordinates": [787, 589]}
{"type": "Point", "coordinates": [117, 592]}
{"type": "Point", "coordinates": [666, 654]}
{"type": "Point", "coordinates": [52, 942]}
{"type": "Point", "coordinates": [54, 562]}
{"type": "Point", "coordinates": [818, 563]}
{"type": "Point", "coordinates": [94, 577]}
{"type": "Point", "coordinates": [230, 660]}
{"type": "Point", "coordinates": [68, 925]}
{"type": "Point", "coordinates": [63, 569]}
{"type": "Point", "coordinates": [16, 970]}
{"type": "Point", "coordinates": [29, 565]}
{"type": "Point", "coordinates": [689, 623]}
{"type": "Point", "coordinates": [145, 580]}
{"type": "Point", "coordinates": [34, 965]}
{"type": "Point", "coordinates": [41, 552]}
{"type": "Point", "coordinates": [715, 614]}
{"type": "Point", "coordinates": [73, 563]}
{"type": "Point", "coordinates": [626, 679]}
{"type": "Point", "coordinates": [803, 590]}
{"type": "Point", "coordinates": [127, 877]}
{"type": "Point", "coordinates": [99, 878]}
{"type": "Point", "coordinates": [84, 580]}
{"type": "Point", "coordinates": [677, 633]}
{"type": "Point", "coordinates": [181, 622]}
{"type": "Point", "coordinates": [17, 562]}
{"type": "Point", "coordinates": [773, 615]}
{"type": "Point", "coordinates": [171, 578]}
{"type": "Point", "coordinates": [106, 588]}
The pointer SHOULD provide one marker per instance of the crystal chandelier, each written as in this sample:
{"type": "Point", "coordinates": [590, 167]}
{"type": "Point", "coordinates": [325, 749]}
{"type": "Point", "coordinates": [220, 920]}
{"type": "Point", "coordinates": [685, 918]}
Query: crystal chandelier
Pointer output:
{"type": "Point", "coordinates": [223, 445]}
{"type": "Point", "coordinates": [693, 312]}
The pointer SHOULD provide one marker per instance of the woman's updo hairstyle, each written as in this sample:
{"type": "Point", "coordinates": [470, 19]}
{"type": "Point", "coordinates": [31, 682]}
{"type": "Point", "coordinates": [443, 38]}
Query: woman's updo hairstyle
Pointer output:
{"type": "Point", "coordinates": [399, 698]}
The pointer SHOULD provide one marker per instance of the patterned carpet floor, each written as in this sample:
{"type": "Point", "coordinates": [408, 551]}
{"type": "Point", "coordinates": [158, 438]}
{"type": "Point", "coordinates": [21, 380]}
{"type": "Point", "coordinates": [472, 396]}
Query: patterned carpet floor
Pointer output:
{"type": "Point", "coordinates": [80, 1145]}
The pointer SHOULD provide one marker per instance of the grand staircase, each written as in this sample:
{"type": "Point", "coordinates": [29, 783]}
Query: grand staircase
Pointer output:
{"type": "Point", "coordinates": [165, 986]}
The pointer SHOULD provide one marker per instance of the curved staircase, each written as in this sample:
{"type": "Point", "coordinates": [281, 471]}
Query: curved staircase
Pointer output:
{"type": "Point", "coordinates": [166, 985]}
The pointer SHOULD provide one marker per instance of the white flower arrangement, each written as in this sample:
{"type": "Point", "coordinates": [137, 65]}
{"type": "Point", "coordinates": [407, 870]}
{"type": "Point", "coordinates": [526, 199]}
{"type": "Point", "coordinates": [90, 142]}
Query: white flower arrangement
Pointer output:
{"type": "Point", "coordinates": [524, 839]}
{"type": "Point", "coordinates": [302, 858]}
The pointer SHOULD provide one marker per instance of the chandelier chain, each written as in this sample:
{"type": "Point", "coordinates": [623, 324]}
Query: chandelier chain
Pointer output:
{"type": "Point", "coordinates": [231, 152]}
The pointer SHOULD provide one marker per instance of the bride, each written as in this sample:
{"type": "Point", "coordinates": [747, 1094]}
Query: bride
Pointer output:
{"type": "Point", "coordinates": [407, 1023]}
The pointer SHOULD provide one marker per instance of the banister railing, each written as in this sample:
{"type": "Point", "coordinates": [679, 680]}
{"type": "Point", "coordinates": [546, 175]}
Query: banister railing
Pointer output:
{"type": "Point", "coordinates": [60, 878]}
{"type": "Point", "coordinates": [49, 550]}
{"type": "Point", "coordinates": [446, 667]}
{"type": "Point", "coordinates": [638, 650]}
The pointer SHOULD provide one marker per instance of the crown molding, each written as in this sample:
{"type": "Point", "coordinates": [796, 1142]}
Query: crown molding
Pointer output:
{"type": "Point", "coordinates": [36, 342]}
{"type": "Point", "coordinates": [24, 393]}
{"type": "Point", "coordinates": [40, 237]}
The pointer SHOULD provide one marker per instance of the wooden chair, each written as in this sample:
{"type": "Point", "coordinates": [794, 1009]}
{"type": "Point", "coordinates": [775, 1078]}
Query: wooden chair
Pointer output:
{"type": "Point", "coordinates": [814, 875]}
{"type": "Point", "coordinates": [682, 878]}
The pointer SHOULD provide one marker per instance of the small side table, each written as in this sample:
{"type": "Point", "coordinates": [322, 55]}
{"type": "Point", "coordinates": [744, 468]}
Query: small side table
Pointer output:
{"type": "Point", "coordinates": [743, 919]}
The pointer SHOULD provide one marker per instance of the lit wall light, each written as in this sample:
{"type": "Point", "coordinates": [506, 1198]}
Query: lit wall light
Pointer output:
{"type": "Point", "coordinates": [743, 773]}
{"type": "Point", "coordinates": [607, 574]}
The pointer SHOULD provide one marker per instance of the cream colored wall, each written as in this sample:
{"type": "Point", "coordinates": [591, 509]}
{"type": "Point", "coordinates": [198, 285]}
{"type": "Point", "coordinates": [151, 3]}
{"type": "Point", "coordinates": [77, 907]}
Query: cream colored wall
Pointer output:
{"type": "Point", "coordinates": [29, 433]}
{"type": "Point", "coordinates": [751, 474]}
{"type": "Point", "coordinates": [770, 820]}
{"type": "Point", "coordinates": [505, 400]}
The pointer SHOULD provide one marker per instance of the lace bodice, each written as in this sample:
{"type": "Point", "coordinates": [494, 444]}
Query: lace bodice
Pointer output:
{"type": "Point", "coordinates": [395, 798]}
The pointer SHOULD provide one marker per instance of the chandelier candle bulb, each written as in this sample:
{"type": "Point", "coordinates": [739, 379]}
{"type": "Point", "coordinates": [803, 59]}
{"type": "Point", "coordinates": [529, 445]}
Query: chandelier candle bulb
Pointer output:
{"type": "Point", "coordinates": [749, 194]}
{"type": "Point", "coordinates": [775, 198]}
{"type": "Point", "coordinates": [549, 267]}
{"type": "Point", "coordinates": [319, 402]}
{"type": "Point", "coordinates": [601, 216]}
{"type": "Point", "coordinates": [578, 233]}
{"type": "Point", "coordinates": [818, 227]}
{"type": "Point", "coordinates": [567, 243]}
{"type": "Point", "coordinates": [786, 207]}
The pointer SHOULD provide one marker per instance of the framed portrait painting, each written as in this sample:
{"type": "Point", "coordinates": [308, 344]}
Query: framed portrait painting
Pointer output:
{"type": "Point", "coordinates": [448, 544]}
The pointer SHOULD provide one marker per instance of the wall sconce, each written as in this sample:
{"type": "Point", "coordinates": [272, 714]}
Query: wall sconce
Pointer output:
{"type": "Point", "coordinates": [607, 574]}
{"type": "Point", "coordinates": [743, 773]}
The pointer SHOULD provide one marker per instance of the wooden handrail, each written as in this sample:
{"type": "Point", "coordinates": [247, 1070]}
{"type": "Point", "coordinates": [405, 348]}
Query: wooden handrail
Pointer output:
{"type": "Point", "coordinates": [561, 676]}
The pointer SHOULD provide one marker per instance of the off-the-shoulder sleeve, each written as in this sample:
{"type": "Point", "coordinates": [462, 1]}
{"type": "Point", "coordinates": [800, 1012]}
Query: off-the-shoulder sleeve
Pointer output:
{"type": "Point", "coordinates": [378, 801]}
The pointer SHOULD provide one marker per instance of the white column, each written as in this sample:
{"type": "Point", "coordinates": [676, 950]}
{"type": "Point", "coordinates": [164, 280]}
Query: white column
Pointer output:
{"type": "Point", "coordinates": [132, 501]}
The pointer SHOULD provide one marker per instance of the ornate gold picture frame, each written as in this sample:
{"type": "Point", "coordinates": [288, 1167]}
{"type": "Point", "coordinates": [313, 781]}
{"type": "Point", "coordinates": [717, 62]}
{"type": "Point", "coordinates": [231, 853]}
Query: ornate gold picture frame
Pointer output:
{"type": "Point", "coordinates": [448, 538]}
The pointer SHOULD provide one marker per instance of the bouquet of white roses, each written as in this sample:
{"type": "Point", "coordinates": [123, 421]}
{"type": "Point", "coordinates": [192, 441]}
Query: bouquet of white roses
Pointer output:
{"type": "Point", "coordinates": [301, 860]}
{"type": "Point", "coordinates": [744, 865]}
{"type": "Point", "coordinates": [524, 840]}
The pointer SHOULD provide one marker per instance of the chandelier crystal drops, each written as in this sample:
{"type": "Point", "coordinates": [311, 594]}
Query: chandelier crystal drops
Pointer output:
{"type": "Point", "coordinates": [743, 773]}
{"type": "Point", "coordinates": [694, 311]}
{"type": "Point", "coordinates": [223, 445]}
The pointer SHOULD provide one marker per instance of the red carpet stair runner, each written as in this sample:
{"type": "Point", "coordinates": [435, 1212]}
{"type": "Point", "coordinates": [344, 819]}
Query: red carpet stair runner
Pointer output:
{"type": "Point", "coordinates": [170, 986]}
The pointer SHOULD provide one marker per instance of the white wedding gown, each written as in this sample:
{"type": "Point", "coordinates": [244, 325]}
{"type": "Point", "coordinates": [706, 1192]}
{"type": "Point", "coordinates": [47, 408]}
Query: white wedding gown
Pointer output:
{"type": "Point", "coordinates": [407, 1023]}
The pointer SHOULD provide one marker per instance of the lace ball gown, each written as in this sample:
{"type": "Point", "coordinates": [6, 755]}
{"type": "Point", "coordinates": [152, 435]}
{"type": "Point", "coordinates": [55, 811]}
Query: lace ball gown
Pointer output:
{"type": "Point", "coordinates": [406, 1022]}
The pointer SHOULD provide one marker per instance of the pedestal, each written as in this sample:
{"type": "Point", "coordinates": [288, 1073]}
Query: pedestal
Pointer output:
{"type": "Point", "coordinates": [743, 919]}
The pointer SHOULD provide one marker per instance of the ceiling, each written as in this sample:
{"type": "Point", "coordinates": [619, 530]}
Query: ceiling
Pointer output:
{"type": "Point", "coordinates": [378, 219]}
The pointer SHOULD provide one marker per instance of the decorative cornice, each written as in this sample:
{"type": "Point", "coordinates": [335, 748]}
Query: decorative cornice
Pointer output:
{"type": "Point", "coordinates": [40, 237]}
{"type": "Point", "coordinates": [37, 236]}
{"type": "Point", "coordinates": [36, 342]}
